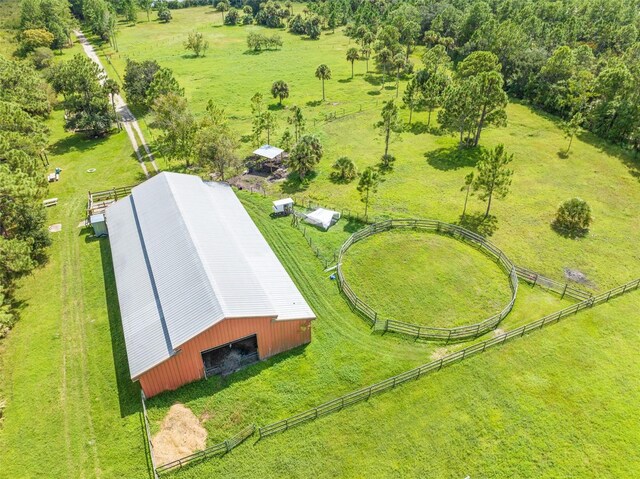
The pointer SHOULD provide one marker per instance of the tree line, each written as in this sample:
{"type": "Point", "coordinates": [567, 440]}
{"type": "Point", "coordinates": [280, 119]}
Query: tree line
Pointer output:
{"type": "Point", "coordinates": [24, 105]}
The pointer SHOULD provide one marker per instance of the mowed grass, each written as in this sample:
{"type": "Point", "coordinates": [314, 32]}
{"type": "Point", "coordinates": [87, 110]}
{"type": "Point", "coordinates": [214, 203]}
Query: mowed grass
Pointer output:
{"type": "Point", "coordinates": [558, 403]}
{"type": "Point", "coordinates": [397, 272]}
{"type": "Point", "coordinates": [71, 410]}
{"type": "Point", "coordinates": [429, 170]}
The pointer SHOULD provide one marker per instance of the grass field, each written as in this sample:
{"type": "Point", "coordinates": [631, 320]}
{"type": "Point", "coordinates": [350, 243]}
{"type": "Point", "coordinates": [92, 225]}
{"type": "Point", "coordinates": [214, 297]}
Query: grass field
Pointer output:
{"type": "Point", "coordinates": [397, 272]}
{"type": "Point", "coordinates": [558, 403]}
{"type": "Point", "coordinates": [429, 170]}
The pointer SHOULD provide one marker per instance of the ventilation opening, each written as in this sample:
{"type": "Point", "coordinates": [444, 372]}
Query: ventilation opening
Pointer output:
{"type": "Point", "coordinates": [230, 357]}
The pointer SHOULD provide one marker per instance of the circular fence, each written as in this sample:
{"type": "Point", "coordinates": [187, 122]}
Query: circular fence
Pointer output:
{"type": "Point", "coordinates": [458, 333]}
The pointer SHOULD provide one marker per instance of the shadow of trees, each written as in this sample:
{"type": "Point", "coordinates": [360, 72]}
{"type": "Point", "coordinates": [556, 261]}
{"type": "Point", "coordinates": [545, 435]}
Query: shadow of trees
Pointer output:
{"type": "Point", "coordinates": [453, 158]}
{"type": "Point", "coordinates": [477, 223]}
{"type": "Point", "coordinates": [295, 184]}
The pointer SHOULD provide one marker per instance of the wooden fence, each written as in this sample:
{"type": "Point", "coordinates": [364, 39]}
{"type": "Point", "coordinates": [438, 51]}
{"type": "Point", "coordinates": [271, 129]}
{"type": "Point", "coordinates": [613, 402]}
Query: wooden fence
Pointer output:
{"type": "Point", "coordinates": [414, 374]}
{"type": "Point", "coordinates": [459, 333]}
{"type": "Point", "coordinates": [216, 450]}
{"type": "Point", "coordinates": [99, 200]}
{"type": "Point", "coordinates": [426, 332]}
{"type": "Point", "coordinates": [147, 428]}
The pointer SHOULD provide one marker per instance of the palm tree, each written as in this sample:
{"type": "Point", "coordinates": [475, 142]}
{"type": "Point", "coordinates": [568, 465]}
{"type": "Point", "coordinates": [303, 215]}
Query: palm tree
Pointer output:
{"type": "Point", "coordinates": [323, 72]}
{"type": "Point", "coordinates": [352, 56]}
{"type": "Point", "coordinates": [222, 7]}
{"type": "Point", "coordinates": [305, 155]}
{"type": "Point", "coordinates": [280, 90]}
{"type": "Point", "coordinates": [112, 87]}
{"type": "Point", "coordinates": [345, 168]}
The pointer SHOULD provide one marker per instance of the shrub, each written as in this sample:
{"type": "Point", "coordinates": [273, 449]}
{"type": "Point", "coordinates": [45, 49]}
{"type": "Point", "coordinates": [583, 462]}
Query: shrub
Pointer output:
{"type": "Point", "coordinates": [164, 15]}
{"type": "Point", "coordinates": [232, 17]}
{"type": "Point", "coordinates": [42, 58]}
{"type": "Point", "coordinates": [258, 41]}
{"type": "Point", "coordinates": [345, 169]}
{"type": "Point", "coordinates": [573, 218]}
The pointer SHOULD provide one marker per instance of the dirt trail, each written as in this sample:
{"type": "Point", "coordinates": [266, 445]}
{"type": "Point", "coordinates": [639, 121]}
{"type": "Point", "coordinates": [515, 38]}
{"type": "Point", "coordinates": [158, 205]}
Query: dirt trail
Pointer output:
{"type": "Point", "coordinates": [128, 120]}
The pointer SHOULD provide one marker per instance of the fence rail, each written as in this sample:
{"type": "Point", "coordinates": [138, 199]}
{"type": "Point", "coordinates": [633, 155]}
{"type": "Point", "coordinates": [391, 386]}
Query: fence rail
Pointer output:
{"type": "Point", "coordinates": [147, 428]}
{"type": "Point", "coordinates": [217, 449]}
{"type": "Point", "coordinates": [414, 374]}
{"type": "Point", "coordinates": [426, 332]}
{"type": "Point", "coordinates": [461, 332]}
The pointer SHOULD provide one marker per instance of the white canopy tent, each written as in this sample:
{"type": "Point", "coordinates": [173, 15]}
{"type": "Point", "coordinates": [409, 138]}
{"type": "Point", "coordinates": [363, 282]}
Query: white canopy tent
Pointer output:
{"type": "Point", "coordinates": [323, 218]}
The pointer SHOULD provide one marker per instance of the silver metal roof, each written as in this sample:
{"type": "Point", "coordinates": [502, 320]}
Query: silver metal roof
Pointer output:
{"type": "Point", "coordinates": [187, 255]}
{"type": "Point", "coordinates": [268, 151]}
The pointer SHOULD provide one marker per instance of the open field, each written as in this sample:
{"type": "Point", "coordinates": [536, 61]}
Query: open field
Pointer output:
{"type": "Point", "coordinates": [558, 403]}
{"type": "Point", "coordinates": [429, 170]}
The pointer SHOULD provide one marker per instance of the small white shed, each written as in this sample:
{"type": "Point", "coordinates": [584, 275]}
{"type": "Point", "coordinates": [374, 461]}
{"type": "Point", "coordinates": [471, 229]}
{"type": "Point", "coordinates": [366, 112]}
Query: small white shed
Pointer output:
{"type": "Point", "coordinates": [283, 206]}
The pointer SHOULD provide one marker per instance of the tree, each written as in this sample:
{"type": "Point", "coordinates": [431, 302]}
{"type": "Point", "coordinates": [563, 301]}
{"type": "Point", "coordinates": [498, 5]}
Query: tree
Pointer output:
{"type": "Point", "coordinates": [573, 218]}
{"type": "Point", "coordinates": [214, 144]}
{"type": "Point", "coordinates": [164, 14]}
{"type": "Point", "coordinates": [480, 73]}
{"type": "Point", "coordinates": [286, 141]}
{"type": "Point", "coordinates": [35, 38]}
{"type": "Point", "coordinates": [130, 11]}
{"type": "Point", "coordinates": [163, 83]}
{"type": "Point", "coordinates": [410, 97]}
{"type": "Point", "coordinates": [86, 101]}
{"type": "Point", "coordinates": [146, 6]}
{"type": "Point", "coordinates": [384, 60]}
{"type": "Point", "coordinates": [323, 72]}
{"type": "Point", "coordinates": [389, 123]}
{"type": "Point", "coordinates": [432, 87]}
{"type": "Point", "coordinates": [22, 85]}
{"type": "Point", "coordinates": [222, 7]}
{"type": "Point", "coordinates": [305, 155]}
{"type": "Point", "coordinates": [173, 117]}
{"type": "Point", "coordinates": [458, 110]}
{"type": "Point", "coordinates": [345, 169]}
{"type": "Point", "coordinates": [297, 120]}
{"type": "Point", "coordinates": [257, 122]}
{"type": "Point", "coordinates": [138, 77]}
{"type": "Point", "coordinates": [197, 43]}
{"type": "Point", "coordinates": [268, 121]}
{"type": "Point", "coordinates": [570, 128]}
{"type": "Point", "coordinates": [112, 87]}
{"type": "Point", "coordinates": [42, 58]}
{"type": "Point", "coordinates": [493, 177]}
{"type": "Point", "coordinates": [367, 186]}
{"type": "Point", "coordinates": [280, 90]}
{"type": "Point", "coordinates": [352, 56]}
{"type": "Point", "coordinates": [468, 181]}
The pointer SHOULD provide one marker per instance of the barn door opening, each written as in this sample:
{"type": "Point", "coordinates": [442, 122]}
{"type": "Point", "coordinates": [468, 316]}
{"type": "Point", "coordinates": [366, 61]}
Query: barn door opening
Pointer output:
{"type": "Point", "coordinates": [230, 357]}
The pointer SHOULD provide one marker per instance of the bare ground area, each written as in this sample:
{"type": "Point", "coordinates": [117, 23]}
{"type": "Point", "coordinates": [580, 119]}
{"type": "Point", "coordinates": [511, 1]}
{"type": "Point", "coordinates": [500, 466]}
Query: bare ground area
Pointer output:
{"type": "Point", "coordinates": [180, 434]}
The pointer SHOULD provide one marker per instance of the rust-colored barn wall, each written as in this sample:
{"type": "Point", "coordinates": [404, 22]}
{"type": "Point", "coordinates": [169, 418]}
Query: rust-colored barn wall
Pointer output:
{"type": "Point", "coordinates": [186, 366]}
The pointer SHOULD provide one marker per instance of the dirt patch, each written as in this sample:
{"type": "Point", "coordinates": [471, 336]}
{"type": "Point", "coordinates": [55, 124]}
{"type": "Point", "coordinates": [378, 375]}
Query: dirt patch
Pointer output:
{"type": "Point", "coordinates": [439, 353]}
{"type": "Point", "coordinates": [498, 332]}
{"type": "Point", "coordinates": [55, 228]}
{"type": "Point", "coordinates": [576, 276]}
{"type": "Point", "coordinates": [180, 434]}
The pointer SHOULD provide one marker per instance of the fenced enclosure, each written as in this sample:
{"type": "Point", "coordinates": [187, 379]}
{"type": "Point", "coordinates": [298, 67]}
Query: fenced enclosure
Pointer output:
{"type": "Point", "coordinates": [414, 374]}
{"type": "Point", "coordinates": [460, 333]}
{"type": "Point", "coordinates": [98, 201]}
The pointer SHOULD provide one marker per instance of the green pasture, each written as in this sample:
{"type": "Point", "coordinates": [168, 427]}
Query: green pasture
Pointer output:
{"type": "Point", "coordinates": [558, 403]}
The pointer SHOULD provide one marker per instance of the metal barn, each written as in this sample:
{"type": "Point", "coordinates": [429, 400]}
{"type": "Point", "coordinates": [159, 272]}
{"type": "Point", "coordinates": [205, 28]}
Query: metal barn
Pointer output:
{"type": "Point", "coordinates": [200, 290]}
